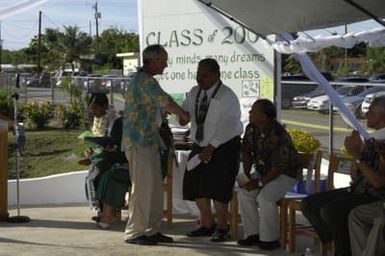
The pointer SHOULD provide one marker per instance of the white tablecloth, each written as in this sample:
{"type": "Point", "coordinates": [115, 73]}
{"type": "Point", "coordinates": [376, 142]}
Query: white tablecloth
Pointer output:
{"type": "Point", "coordinates": [181, 206]}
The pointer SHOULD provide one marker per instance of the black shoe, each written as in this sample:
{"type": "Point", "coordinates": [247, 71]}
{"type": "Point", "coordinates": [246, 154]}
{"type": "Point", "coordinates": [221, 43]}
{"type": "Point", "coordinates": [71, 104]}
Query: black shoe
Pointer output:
{"type": "Point", "coordinates": [202, 231]}
{"type": "Point", "coordinates": [269, 245]}
{"type": "Point", "coordinates": [160, 238]}
{"type": "Point", "coordinates": [221, 235]}
{"type": "Point", "coordinates": [142, 240]}
{"type": "Point", "coordinates": [249, 241]}
{"type": "Point", "coordinates": [95, 218]}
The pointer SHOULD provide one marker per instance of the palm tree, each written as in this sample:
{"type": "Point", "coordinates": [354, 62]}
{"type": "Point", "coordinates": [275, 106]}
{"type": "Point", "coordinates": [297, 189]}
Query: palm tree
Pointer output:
{"type": "Point", "coordinates": [74, 43]}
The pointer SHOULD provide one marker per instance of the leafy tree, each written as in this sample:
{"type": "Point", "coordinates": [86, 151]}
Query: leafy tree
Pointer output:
{"type": "Point", "coordinates": [113, 41]}
{"type": "Point", "coordinates": [290, 64]}
{"type": "Point", "coordinates": [13, 57]}
{"type": "Point", "coordinates": [74, 43]}
{"type": "Point", "coordinates": [58, 48]}
{"type": "Point", "coordinates": [374, 61]}
{"type": "Point", "coordinates": [49, 50]}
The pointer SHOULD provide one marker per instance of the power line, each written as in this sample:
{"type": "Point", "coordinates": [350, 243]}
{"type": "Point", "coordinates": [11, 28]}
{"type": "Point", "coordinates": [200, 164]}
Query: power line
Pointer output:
{"type": "Point", "coordinates": [15, 25]}
{"type": "Point", "coordinates": [50, 20]}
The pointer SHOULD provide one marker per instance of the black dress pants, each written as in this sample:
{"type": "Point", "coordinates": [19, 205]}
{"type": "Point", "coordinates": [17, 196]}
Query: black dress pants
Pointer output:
{"type": "Point", "coordinates": [328, 213]}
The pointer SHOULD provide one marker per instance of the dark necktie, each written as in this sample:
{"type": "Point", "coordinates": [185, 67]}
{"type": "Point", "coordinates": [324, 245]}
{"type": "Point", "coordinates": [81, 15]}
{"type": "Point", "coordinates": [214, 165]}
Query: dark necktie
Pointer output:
{"type": "Point", "coordinates": [202, 111]}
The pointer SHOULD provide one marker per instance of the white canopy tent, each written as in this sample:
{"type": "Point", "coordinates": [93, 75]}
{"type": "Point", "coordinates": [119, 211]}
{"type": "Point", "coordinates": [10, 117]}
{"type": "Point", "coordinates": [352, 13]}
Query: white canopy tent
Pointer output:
{"type": "Point", "coordinates": [280, 17]}
{"type": "Point", "coordinates": [16, 8]}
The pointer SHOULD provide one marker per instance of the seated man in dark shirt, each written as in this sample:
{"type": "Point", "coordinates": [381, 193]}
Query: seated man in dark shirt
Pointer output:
{"type": "Point", "coordinates": [268, 147]}
{"type": "Point", "coordinates": [328, 211]}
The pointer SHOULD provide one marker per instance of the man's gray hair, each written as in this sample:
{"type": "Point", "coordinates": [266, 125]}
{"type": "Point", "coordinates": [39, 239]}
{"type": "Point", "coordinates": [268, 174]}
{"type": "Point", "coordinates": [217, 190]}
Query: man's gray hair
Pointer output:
{"type": "Point", "coordinates": [152, 52]}
{"type": "Point", "coordinates": [379, 104]}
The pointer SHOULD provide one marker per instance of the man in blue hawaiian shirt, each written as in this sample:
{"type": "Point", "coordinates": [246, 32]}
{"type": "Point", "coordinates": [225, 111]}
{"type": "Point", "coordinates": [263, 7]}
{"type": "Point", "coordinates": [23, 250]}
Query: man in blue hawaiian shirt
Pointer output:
{"type": "Point", "coordinates": [145, 102]}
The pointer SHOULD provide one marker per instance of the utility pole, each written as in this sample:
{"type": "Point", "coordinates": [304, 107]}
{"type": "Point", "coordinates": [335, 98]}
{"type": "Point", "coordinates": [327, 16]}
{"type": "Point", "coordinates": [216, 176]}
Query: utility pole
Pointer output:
{"type": "Point", "coordinates": [97, 16]}
{"type": "Point", "coordinates": [346, 49]}
{"type": "Point", "coordinates": [39, 69]}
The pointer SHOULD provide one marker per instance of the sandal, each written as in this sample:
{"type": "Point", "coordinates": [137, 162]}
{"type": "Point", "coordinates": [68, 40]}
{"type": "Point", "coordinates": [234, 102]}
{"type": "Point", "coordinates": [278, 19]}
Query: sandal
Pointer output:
{"type": "Point", "coordinates": [221, 235]}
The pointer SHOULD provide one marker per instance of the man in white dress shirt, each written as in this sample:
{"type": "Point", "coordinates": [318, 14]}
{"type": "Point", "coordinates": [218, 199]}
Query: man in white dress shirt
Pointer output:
{"type": "Point", "coordinates": [216, 128]}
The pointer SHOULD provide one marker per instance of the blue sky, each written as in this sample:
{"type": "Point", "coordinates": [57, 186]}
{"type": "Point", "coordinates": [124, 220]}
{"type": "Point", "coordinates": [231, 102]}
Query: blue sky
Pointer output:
{"type": "Point", "coordinates": [17, 31]}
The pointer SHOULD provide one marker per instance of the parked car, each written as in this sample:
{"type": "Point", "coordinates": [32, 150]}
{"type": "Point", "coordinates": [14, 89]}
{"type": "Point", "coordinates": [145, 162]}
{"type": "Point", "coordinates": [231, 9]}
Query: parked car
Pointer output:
{"type": "Point", "coordinates": [297, 84]}
{"type": "Point", "coordinates": [368, 100]}
{"type": "Point", "coordinates": [94, 83]}
{"type": "Point", "coordinates": [61, 74]}
{"type": "Point", "coordinates": [39, 80]}
{"type": "Point", "coordinates": [321, 103]}
{"type": "Point", "coordinates": [354, 102]}
{"type": "Point", "coordinates": [113, 82]}
{"type": "Point", "coordinates": [377, 77]}
{"type": "Point", "coordinates": [302, 100]}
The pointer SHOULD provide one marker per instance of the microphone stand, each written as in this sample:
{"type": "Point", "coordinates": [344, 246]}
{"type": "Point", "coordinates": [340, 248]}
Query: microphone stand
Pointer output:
{"type": "Point", "coordinates": [18, 218]}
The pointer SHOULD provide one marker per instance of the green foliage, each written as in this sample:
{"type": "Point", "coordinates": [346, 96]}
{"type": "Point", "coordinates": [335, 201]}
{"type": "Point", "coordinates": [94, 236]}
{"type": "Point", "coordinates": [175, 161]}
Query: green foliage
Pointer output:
{"type": "Point", "coordinates": [291, 64]}
{"type": "Point", "coordinates": [74, 116]}
{"type": "Point", "coordinates": [38, 114]}
{"type": "Point", "coordinates": [70, 116]}
{"type": "Point", "coordinates": [6, 102]}
{"type": "Point", "coordinates": [375, 61]}
{"type": "Point", "coordinates": [113, 41]}
{"type": "Point", "coordinates": [303, 140]}
{"type": "Point", "coordinates": [343, 70]}
{"type": "Point", "coordinates": [346, 153]}
{"type": "Point", "coordinates": [70, 86]}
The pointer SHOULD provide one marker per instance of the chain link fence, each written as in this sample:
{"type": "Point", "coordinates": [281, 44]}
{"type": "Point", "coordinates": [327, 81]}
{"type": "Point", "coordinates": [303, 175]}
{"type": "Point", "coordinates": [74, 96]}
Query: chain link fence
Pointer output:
{"type": "Point", "coordinates": [49, 88]}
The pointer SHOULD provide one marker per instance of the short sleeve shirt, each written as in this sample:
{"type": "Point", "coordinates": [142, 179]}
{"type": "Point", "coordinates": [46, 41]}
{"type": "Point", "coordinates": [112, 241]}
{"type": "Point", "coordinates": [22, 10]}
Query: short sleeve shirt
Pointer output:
{"type": "Point", "coordinates": [360, 184]}
{"type": "Point", "coordinates": [144, 99]}
{"type": "Point", "coordinates": [272, 148]}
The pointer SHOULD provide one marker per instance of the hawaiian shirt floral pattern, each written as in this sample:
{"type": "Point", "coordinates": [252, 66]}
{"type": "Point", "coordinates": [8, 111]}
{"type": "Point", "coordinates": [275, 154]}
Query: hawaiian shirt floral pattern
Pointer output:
{"type": "Point", "coordinates": [272, 147]}
{"type": "Point", "coordinates": [144, 99]}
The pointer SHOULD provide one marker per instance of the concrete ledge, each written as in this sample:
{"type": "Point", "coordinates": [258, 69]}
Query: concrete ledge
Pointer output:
{"type": "Point", "coordinates": [55, 189]}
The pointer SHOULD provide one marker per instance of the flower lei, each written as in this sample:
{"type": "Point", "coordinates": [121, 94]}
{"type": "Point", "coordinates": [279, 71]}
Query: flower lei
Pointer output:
{"type": "Point", "coordinates": [100, 125]}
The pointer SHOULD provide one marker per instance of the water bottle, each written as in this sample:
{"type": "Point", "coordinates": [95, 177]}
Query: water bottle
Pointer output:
{"type": "Point", "coordinates": [308, 252]}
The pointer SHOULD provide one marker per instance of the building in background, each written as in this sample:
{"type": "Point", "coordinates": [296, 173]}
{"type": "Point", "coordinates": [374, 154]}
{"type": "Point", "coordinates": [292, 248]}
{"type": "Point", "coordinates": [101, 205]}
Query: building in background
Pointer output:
{"type": "Point", "coordinates": [131, 61]}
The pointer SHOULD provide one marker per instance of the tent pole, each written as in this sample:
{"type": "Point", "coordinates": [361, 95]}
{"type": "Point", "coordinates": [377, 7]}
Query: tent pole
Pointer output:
{"type": "Point", "coordinates": [331, 128]}
{"type": "Point", "coordinates": [278, 84]}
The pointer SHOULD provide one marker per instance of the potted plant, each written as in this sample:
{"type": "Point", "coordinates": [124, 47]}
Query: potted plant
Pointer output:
{"type": "Point", "coordinates": [305, 143]}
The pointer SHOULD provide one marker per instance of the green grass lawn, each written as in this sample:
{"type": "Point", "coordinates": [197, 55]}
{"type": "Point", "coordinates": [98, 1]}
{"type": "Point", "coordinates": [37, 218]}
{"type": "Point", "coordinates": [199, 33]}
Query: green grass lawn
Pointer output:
{"type": "Point", "coordinates": [46, 152]}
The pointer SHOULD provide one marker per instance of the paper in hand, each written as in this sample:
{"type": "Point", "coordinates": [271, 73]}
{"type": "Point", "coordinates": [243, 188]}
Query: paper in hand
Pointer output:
{"type": "Point", "coordinates": [193, 162]}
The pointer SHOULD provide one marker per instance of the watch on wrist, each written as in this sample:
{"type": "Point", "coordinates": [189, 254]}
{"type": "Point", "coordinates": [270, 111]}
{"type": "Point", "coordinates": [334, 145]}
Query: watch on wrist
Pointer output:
{"type": "Point", "coordinates": [359, 159]}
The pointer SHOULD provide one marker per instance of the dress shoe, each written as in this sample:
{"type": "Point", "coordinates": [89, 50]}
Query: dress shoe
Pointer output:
{"type": "Point", "coordinates": [221, 235]}
{"type": "Point", "coordinates": [202, 231]}
{"type": "Point", "coordinates": [141, 240]}
{"type": "Point", "coordinates": [95, 218]}
{"type": "Point", "coordinates": [160, 238]}
{"type": "Point", "coordinates": [269, 245]}
{"type": "Point", "coordinates": [249, 241]}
